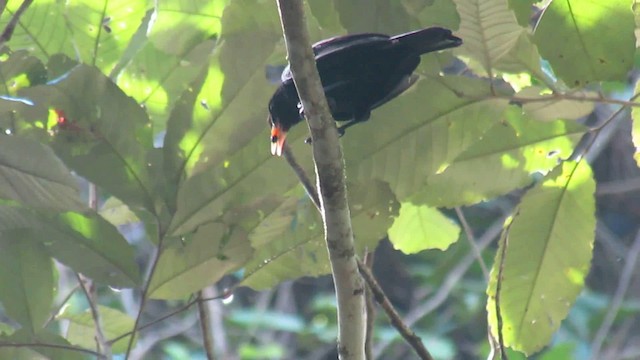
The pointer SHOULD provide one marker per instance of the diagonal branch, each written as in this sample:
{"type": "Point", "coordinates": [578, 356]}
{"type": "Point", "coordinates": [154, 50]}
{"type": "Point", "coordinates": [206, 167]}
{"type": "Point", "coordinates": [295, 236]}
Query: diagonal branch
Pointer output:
{"type": "Point", "coordinates": [330, 173]}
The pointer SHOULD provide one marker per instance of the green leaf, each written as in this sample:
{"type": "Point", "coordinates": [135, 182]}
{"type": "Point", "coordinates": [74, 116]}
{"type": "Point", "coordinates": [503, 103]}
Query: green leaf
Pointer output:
{"type": "Point", "coordinates": [421, 132]}
{"type": "Point", "coordinates": [81, 330]}
{"type": "Point", "coordinates": [289, 240]}
{"type": "Point", "coordinates": [601, 38]}
{"type": "Point", "coordinates": [91, 245]}
{"type": "Point", "coordinates": [34, 176]}
{"type": "Point", "coordinates": [436, 13]}
{"type": "Point", "coordinates": [489, 30]}
{"type": "Point", "coordinates": [214, 251]}
{"type": "Point", "coordinates": [26, 280]}
{"type": "Point", "coordinates": [224, 153]}
{"type": "Point", "coordinates": [58, 349]}
{"type": "Point", "coordinates": [86, 243]}
{"type": "Point", "coordinates": [117, 213]}
{"type": "Point", "coordinates": [419, 227]}
{"type": "Point", "coordinates": [179, 25]}
{"type": "Point", "coordinates": [101, 30]}
{"type": "Point", "coordinates": [504, 160]}
{"type": "Point", "coordinates": [553, 109]}
{"type": "Point", "coordinates": [378, 16]}
{"type": "Point", "coordinates": [288, 243]}
{"type": "Point", "coordinates": [106, 134]}
{"type": "Point", "coordinates": [548, 252]}
{"type": "Point", "coordinates": [156, 79]}
{"type": "Point", "coordinates": [41, 30]}
{"type": "Point", "coordinates": [326, 15]}
{"type": "Point", "coordinates": [373, 207]}
{"type": "Point", "coordinates": [523, 10]}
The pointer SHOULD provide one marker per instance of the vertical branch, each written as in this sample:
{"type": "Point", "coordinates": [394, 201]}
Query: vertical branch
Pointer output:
{"type": "Point", "coordinates": [330, 173]}
{"type": "Point", "coordinates": [205, 326]}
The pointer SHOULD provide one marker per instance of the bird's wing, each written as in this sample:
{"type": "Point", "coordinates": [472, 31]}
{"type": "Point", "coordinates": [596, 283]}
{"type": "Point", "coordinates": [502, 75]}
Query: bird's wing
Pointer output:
{"type": "Point", "coordinates": [340, 43]}
{"type": "Point", "coordinates": [403, 85]}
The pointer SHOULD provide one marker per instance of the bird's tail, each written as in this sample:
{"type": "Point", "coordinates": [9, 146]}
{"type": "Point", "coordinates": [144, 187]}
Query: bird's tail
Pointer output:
{"type": "Point", "coordinates": [428, 40]}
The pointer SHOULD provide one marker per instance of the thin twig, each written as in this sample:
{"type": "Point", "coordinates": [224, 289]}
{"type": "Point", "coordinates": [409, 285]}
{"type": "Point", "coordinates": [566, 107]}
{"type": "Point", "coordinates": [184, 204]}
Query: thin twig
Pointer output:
{"type": "Point", "coordinates": [88, 288]}
{"type": "Point", "coordinates": [205, 327]}
{"type": "Point", "coordinates": [472, 242]}
{"type": "Point", "coordinates": [302, 176]}
{"type": "Point", "coordinates": [503, 255]}
{"type": "Point", "coordinates": [371, 310]}
{"type": "Point", "coordinates": [378, 294]}
{"type": "Point", "coordinates": [11, 26]}
{"type": "Point", "coordinates": [55, 312]}
{"type": "Point", "coordinates": [145, 291]}
{"type": "Point", "coordinates": [623, 285]}
{"type": "Point", "coordinates": [171, 314]}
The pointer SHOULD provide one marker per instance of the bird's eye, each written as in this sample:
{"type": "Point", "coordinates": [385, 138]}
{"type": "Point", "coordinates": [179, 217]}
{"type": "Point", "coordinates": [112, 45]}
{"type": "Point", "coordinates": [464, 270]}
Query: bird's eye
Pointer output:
{"type": "Point", "coordinates": [274, 138]}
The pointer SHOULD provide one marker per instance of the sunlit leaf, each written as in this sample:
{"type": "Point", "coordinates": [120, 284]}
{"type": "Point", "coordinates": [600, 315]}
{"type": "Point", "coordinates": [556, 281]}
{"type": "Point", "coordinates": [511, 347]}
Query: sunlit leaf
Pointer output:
{"type": "Point", "coordinates": [419, 227]}
{"type": "Point", "coordinates": [489, 30]}
{"type": "Point", "coordinates": [601, 35]}
{"type": "Point", "coordinates": [548, 252]}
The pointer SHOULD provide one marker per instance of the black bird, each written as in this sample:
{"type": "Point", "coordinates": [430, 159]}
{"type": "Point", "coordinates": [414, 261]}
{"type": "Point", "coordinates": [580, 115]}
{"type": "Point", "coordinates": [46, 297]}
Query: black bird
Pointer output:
{"type": "Point", "coordinates": [359, 73]}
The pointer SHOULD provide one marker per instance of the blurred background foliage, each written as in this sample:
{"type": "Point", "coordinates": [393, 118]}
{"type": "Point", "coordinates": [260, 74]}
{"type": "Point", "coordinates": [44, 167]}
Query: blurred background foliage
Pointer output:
{"type": "Point", "coordinates": [135, 169]}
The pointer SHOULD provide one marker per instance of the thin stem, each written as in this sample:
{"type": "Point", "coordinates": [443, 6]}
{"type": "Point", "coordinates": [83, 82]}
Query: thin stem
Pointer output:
{"type": "Point", "coordinates": [378, 294]}
{"type": "Point", "coordinates": [371, 310]}
{"type": "Point", "coordinates": [89, 291]}
{"type": "Point", "coordinates": [59, 307]}
{"type": "Point", "coordinates": [302, 176]}
{"type": "Point", "coordinates": [145, 290]}
{"type": "Point", "coordinates": [472, 242]}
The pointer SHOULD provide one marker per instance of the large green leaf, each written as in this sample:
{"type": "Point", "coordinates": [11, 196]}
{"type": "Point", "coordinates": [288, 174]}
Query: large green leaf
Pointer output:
{"type": "Point", "coordinates": [101, 30]}
{"type": "Point", "coordinates": [26, 280]}
{"type": "Point", "coordinates": [504, 160]}
{"type": "Point", "coordinates": [289, 240]}
{"type": "Point", "coordinates": [223, 147]}
{"type": "Point", "coordinates": [82, 328]}
{"type": "Point", "coordinates": [489, 30]}
{"type": "Point", "coordinates": [33, 175]}
{"type": "Point", "coordinates": [86, 243]}
{"type": "Point", "coordinates": [421, 132]}
{"type": "Point", "coordinates": [41, 30]}
{"type": "Point", "coordinates": [381, 16]}
{"type": "Point", "coordinates": [587, 41]}
{"type": "Point", "coordinates": [547, 257]}
{"type": "Point", "coordinates": [181, 24]}
{"type": "Point", "coordinates": [156, 79]}
{"type": "Point", "coordinates": [105, 135]}
{"type": "Point", "coordinates": [212, 252]}
{"type": "Point", "coordinates": [93, 32]}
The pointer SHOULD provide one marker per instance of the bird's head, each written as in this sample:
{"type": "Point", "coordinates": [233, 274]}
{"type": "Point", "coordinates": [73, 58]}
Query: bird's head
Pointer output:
{"type": "Point", "coordinates": [283, 114]}
{"type": "Point", "coordinates": [278, 135]}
